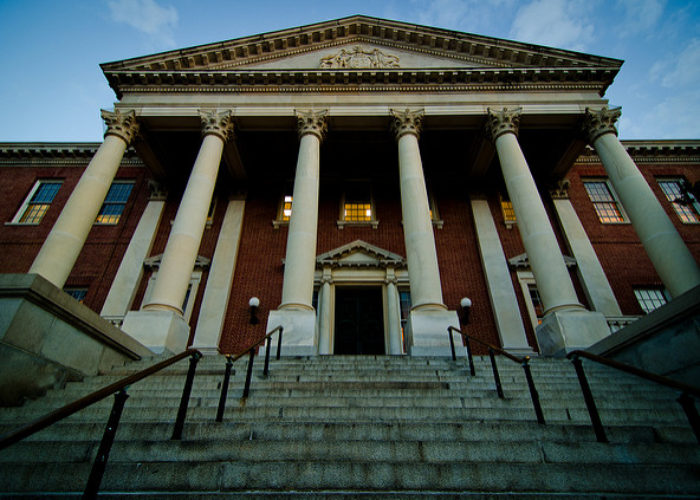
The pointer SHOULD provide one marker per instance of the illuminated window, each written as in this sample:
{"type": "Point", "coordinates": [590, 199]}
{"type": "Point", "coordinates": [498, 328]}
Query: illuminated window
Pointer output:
{"type": "Point", "coordinates": [508, 212]}
{"type": "Point", "coordinates": [77, 293]}
{"type": "Point", "coordinates": [210, 213]}
{"type": "Point", "coordinates": [114, 203]}
{"type": "Point", "coordinates": [650, 298]}
{"type": "Point", "coordinates": [357, 207]}
{"type": "Point", "coordinates": [678, 192]}
{"type": "Point", "coordinates": [606, 205]}
{"type": "Point", "coordinates": [37, 202]}
{"type": "Point", "coordinates": [286, 211]}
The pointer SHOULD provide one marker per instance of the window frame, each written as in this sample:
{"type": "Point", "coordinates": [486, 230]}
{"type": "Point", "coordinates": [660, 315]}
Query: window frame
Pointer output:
{"type": "Point", "coordinates": [123, 204]}
{"type": "Point", "coordinates": [280, 218]}
{"type": "Point", "coordinates": [342, 221]}
{"type": "Point", "coordinates": [674, 204]}
{"type": "Point", "coordinates": [24, 207]}
{"type": "Point", "coordinates": [504, 199]}
{"type": "Point", "coordinates": [526, 280]}
{"type": "Point", "coordinates": [614, 199]}
{"type": "Point", "coordinates": [71, 290]}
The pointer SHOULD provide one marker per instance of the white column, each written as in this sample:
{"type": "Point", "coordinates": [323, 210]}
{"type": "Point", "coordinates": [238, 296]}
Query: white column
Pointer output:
{"type": "Point", "coordinates": [668, 253]}
{"type": "Point", "coordinates": [212, 313]}
{"type": "Point", "coordinates": [595, 284]}
{"type": "Point", "coordinates": [504, 302]}
{"type": "Point", "coordinates": [186, 234]}
{"type": "Point", "coordinates": [393, 311]}
{"type": "Point", "coordinates": [325, 318]}
{"type": "Point", "coordinates": [546, 260]}
{"type": "Point", "coordinates": [429, 318]}
{"type": "Point", "coordinates": [296, 313]}
{"type": "Point", "coordinates": [160, 325]}
{"type": "Point", "coordinates": [424, 275]}
{"type": "Point", "coordinates": [566, 325]}
{"type": "Point", "coordinates": [67, 237]}
{"type": "Point", "coordinates": [121, 293]}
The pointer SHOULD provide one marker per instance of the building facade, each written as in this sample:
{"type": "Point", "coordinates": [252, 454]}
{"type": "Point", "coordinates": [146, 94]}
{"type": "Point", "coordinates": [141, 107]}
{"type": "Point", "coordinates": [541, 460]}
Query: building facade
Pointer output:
{"type": "Point", "coordinates": [361, 177]}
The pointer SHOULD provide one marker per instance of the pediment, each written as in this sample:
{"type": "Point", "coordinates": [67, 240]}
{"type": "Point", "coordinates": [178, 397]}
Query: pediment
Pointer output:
{"type": "Point", "coordinates": [415, 47]}
{"type": "Point", "coordinates": [153, 263]}
{"type": "Point", "coordinates": [522, 262]}
{"type": "Point", "coordinates": [360, 254]}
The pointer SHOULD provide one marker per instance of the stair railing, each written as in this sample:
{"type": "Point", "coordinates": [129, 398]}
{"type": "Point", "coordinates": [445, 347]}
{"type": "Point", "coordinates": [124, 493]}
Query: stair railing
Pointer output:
{"type": "Point", "coordinates": [685, 399]}
{"type": "Point", "coordinates": [120, 396]}
{"type": "Point", "coordinates": [230, 359]}
{"type": "Point", "coordinates": [524, 362]}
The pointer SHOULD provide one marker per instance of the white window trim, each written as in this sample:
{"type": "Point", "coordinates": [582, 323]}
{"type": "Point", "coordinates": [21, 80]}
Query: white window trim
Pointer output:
{"type": "Point", "coordinates": [279, 221]}
{"type": "Point", "coordinates": [25, 204]}
{"type": "Point", "coordinates": [625, 217]}
{"type": "Point", "coordinates": [194, 286]}
{"type": "Point", "coordinates": [526, 278]}
{"type": "Point", "coordinates": [341, 222]}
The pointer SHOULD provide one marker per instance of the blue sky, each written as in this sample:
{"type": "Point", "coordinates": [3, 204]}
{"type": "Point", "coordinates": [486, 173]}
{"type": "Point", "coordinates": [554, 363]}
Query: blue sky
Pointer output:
{"type": "Point", "coordinates": [52, 87]}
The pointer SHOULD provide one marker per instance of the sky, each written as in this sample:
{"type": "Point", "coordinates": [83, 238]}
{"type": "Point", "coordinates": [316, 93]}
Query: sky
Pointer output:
{"type": "Point", "coordinates": [52, 87]}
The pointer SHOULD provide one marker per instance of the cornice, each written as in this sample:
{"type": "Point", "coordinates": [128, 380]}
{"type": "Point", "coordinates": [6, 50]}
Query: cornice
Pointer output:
{"type": "Point", "coordinates": [69, 154]}
{"type": "Point", "coordinates": [649, 151]}
{"type": "Point", "coordinates": [384, 80]}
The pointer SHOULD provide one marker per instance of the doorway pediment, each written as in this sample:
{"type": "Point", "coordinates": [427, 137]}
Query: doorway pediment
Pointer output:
{"type": "Point", "coordinates": [360, 254]}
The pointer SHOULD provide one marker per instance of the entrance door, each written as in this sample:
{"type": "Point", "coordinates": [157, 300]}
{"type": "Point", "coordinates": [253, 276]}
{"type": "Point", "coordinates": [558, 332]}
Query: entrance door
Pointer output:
{"type": "Point", "coordinates": [359, 320]}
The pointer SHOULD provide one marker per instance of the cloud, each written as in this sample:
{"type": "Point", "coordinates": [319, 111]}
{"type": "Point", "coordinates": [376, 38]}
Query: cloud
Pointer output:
{"type": "Point", "coordinates": [147, 17]}
{"type": "Point", "coordinates": [684, 71]}
{"type": "Point", "coordinates": [640, 15]}
{"type": "Point", "coordinates": [673, 117]}
{"type": "Point", "coordinates": [477, 16]}
{"type": "Point", "coordinates": [555, 23]}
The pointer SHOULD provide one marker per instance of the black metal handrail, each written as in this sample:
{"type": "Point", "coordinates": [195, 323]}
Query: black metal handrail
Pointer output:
{"type": "Point", "coordinates": [524, 362]}
{"type": "Point", "coordinates": [119, 389]}
{"type": "Point", "coordinates": [230, 359]}
{"type": "Point", "coordinates": [685, 399]}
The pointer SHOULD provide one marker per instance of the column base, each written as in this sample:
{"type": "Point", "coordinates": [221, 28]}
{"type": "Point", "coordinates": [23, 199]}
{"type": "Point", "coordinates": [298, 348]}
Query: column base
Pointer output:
{"type": "Point", "coordinates": [570, 329]}
{"type": "Point", "coordinates": [160, 331]}
{"type": "Point", "coordinates": [299, 337]}
{"type": "Point", "coordinates": [427, 331]}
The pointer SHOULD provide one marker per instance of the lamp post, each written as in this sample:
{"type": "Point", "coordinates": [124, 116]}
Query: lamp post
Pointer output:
{"type": "Point", "coordinates": [466, 305]}
{"type": "Point", "coordinates": [253, 304]}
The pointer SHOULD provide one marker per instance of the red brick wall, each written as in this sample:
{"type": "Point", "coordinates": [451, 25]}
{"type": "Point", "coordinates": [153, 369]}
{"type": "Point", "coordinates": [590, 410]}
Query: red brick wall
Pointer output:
{"type": "Point", "coordinates": [619, 250]}
{"type": "Point", "coordinates": [98, 261]}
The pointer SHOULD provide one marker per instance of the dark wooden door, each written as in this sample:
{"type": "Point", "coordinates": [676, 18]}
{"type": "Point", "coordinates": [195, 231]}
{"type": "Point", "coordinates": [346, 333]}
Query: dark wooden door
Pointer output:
{"type": "Point", "coordinates": [359, 320]}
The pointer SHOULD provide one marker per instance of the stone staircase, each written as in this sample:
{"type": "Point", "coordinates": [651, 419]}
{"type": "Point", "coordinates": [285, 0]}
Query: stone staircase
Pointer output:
{"type": "Point", "coordinates": [364, 427]}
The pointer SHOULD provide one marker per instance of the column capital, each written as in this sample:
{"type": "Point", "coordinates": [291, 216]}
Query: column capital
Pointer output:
{"type": "Point", "coordinates": [123, 125]}
{"type": "Point", "coordinates": [597, 123]}
{"type": "Point", "coordinates": [312, 122]}
{"type": "Point", "coordinates": [218, 123]}
{"type": "Point", "coordinates": [406, 122]}
{"type": "Point", "coordinates": [501, 122]}
{"type": "Point", "coordinates": [561, 190]}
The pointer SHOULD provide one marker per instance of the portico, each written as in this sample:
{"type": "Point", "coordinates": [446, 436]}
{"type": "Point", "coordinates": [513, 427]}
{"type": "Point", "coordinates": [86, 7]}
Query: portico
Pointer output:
{"type": "Point", "coordinates": [375, 115]}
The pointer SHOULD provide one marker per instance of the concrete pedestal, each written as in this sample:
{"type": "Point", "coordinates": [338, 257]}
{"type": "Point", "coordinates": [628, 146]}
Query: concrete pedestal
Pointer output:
{"type": "Point", "coordinates": [160, 331]}
{"type": "Point", "coordinates": [427, 330]}
{"type": "Point", "coordinates": [299, 337]}
{"type": "Point", "coordinates": [570, 329]}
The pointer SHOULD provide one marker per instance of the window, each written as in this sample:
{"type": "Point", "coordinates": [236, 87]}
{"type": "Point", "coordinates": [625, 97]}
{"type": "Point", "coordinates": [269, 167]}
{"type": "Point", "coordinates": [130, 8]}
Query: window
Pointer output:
{"type": "Point", "coordinates": [37, 202]}
{"type": "Point", "coordinates": [604, 201]}
{"type": "Point", "coordinates": [77, 293]}
{"type": "Point", "coordinates": [678, 192]}
{"type": "Point", "coordinates": [357, 207]}
{"type": "Point", "coordinates": [650, 298]}
{"type": "Point", "coordinates": [405, 304]}
{"type": "Point", "coordinates": [536, 301]}
{"type": "Point", "coordinates": [284, 211]}
{"type": "Point", "coordinates": [114, 203]}
{"type": "Point", "coordinates": [531, 297]}
{"type": "Point", "coordinates": [508, 212]}
{"type": "Point", "coordinates": [190, 294]}
{"type": "Point", "coordinates": [210, 213]}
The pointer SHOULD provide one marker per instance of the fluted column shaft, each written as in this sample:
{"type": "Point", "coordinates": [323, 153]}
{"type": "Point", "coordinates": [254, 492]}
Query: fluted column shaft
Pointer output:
{"type": "Point", "coordinates": [300, 261]}
{"type": "Point", "coordinates": [180, 254]}
{"type": "Point", "coordinates": [421, 256]}
{"type": "Point", "coordinates": [668, 253]}
{"type": "Point", "coordinates": [67, 237]}
{"type": "Point", "coordinates": [546, 261]}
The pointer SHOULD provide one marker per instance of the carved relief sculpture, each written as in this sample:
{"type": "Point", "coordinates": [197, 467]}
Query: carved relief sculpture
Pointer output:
{"type": "Point", "coordinates": [359, 58]}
